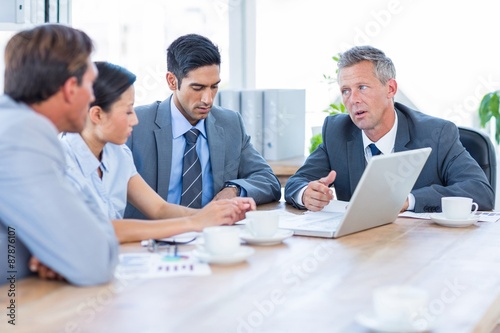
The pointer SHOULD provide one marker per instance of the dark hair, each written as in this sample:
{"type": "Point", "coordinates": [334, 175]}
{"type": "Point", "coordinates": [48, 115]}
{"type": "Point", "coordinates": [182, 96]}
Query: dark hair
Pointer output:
{"type": "Point", "coordinates": [190, 52]}
{"type": "Point", "coordinates": [111, 83]}
{"type": "Point", "coordinates": [39, 61]}
{"type": "Point", "coordinates": [383, 66]}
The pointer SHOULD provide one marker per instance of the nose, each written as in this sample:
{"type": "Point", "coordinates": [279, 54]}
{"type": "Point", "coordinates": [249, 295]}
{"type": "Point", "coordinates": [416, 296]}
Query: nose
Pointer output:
{"type": "Point", "coordinates": [134, 120]}
{"type": "Point", "coordinates": [207, 97]}
{"type": "Point", "coordinates": [354, 97]}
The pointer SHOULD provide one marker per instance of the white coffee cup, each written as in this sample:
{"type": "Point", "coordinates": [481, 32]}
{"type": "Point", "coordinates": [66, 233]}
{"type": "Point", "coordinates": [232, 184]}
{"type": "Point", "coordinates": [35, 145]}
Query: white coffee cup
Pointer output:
{"type": "Point", "coordinates": [400, 306]}
{"type": "Point", "coordinates": [221, 240]}
{"type": "Point", "coordinates": [262, 223]}
{"type": "Point", "coordinates": [456, 208]}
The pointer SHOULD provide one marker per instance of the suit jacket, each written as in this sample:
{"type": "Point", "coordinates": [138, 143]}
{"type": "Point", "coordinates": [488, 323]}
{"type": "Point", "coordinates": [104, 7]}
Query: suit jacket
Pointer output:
{"type": "Point", "coordinates": [232, 156]}
{"type": "Point", "coordinates": [449, 171]}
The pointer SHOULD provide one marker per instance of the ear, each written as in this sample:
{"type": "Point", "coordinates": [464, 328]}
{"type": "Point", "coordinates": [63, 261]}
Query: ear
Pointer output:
{"type": "Point", "coordinates": [171, 81]}
{"type": "Point", "coordinates": [392, 86]}
{"type": "Point", "coordinates": [95, 114]}
{"type": "Point", "coordinates": [69, 89]}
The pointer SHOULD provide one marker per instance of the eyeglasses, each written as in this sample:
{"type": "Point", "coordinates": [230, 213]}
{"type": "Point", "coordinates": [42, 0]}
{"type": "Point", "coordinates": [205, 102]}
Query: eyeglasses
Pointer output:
{"type": "Point", "coordinates": [154, 244]}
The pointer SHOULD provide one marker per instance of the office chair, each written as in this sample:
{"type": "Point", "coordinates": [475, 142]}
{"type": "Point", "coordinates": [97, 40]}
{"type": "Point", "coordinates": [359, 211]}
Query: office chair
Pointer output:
{"type": "Point", "coordinates": [482, 150]}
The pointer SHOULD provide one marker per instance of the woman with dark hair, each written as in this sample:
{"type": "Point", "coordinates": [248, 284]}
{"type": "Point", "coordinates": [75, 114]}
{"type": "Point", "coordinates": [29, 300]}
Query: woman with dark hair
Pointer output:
{"type": "Point", "coordinates": [102, 168]}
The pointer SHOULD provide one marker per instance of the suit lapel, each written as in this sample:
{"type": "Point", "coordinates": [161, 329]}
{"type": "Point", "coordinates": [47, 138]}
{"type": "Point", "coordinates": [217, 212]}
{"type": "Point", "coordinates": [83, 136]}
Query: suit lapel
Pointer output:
{"type": "Point", "coordinates": [216, 142]}
{"type": "Point", "coordinates": [163, 138]}
{"type": "Point", "coordinates": [402, 134]}
{"type": "Point", "coordinates": [355, 160]}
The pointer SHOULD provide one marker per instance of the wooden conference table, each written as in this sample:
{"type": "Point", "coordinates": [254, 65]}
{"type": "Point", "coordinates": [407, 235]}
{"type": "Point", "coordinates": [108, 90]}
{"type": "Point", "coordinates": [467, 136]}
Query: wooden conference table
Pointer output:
{"type": "Point", "coordinates": [303, 285]}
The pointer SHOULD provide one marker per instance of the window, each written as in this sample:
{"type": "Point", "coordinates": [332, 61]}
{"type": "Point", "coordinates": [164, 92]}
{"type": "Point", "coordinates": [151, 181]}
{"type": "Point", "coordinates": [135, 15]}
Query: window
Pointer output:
{"type": "Point", "coordinates": [136, 35]}
{"type": "Point", "coordinates": [445, 55]}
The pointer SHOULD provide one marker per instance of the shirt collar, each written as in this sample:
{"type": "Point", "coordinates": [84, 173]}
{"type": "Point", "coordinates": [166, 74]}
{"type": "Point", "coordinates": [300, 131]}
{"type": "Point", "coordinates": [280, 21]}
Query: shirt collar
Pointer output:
{"type": "Point", "coordinates": [386, 143]}
{"type": "Point", "coordinates": [87, 162]}
{"type": "Point", "coordinates": [181, 125]}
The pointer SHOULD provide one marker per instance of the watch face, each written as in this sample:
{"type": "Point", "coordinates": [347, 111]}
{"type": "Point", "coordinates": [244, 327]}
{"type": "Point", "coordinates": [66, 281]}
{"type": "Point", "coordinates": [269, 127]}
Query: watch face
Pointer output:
{"type": "Point", "coordinates": [234, 186]}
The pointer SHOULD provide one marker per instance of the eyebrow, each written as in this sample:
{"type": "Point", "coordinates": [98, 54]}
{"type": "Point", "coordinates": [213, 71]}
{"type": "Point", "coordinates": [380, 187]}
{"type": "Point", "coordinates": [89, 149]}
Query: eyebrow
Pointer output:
{"type": "Point", "coordinates": [357, 84]}
{"type": "Point", "coordinates": [194, 84]}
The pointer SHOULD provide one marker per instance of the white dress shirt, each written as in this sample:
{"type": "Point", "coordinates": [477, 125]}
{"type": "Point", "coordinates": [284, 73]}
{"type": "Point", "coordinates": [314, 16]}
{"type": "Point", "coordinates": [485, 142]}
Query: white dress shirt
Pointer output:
{"type": "Point", "coordinates": [385, 144]}
{"type": "Point", "coordinates": [117, 166]}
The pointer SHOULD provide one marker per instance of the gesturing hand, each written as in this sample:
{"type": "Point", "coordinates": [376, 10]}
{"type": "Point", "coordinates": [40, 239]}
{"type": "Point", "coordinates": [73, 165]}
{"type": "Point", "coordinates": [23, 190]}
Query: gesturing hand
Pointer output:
{"type": "Point", "coordinates": [317, 194]}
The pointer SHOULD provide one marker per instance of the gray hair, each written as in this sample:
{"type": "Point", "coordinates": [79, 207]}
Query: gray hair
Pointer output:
{"type": "Point", "coordinates": [384, 68]}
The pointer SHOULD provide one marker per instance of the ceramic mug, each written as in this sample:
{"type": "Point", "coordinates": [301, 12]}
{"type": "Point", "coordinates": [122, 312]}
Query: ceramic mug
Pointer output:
{"type": "Point", "coordinates": [221, 240]}
{"type": "Point", "coordinates": [399, 306]}
{"type": "Point", "coordinates": [456, 208]}
{"type": "Point", "coordinates": [262, 223]}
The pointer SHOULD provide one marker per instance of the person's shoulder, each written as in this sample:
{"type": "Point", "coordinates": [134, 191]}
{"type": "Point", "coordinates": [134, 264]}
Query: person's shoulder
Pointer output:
{"type": "Point", "coordinates": [342, 120]}
{"type": "Point", "coordinates": [148, 115]}
{"type": "Point", "coordinates": [19, 114]}
{"type": "Point", "coordinates": [147, 107]}
{"type": "Point", "coordinates": [339, 117]}
{"type": "Point", "coordinates": [420, 118]}
{"type": "Point", "coordinates": [22, 124]}
{"type": "Point", "coordinates": [340, 124]}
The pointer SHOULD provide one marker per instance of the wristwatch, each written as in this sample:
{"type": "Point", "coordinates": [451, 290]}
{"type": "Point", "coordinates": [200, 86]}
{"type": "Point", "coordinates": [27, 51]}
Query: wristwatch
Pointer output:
{"type": "Point", "coordinates": [237, 187]}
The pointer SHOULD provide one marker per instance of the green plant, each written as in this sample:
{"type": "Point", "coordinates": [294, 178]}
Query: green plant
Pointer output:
{"type": "Point", "coordinates": [333, 108]}
{"type": "Point", "coordinates": [489, 108]}
{"type": "Point", "coordinates": [317, 139]}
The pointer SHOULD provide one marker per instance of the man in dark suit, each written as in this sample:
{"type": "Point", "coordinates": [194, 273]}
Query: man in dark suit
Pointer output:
{"type": "Point", "coordinates": [230, 166]}
{"type": "Point", "coordinates": [375, 124]}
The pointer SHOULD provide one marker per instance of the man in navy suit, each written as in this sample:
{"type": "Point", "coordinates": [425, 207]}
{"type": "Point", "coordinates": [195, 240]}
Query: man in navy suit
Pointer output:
{"type": "Point", "coordinates": [366, 77]}
{"type": "Point", "coordinates": [230, 165]}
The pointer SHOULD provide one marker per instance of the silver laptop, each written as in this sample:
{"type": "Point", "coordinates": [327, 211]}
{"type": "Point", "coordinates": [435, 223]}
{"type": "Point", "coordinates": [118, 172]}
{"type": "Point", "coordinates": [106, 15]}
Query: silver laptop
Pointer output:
{"type": "Point", "coordinates": [377, 200]}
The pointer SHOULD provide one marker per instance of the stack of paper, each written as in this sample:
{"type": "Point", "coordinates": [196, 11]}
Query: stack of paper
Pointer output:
{"type": "Point", "coordinates": [483, 216]}
{"type": "Point", "coordinates": [157, 265]}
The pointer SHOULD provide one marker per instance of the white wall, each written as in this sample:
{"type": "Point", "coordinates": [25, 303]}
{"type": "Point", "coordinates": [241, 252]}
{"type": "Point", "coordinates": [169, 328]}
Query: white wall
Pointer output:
{"type": "Point", "coordinates": [136, 35]}
{"type": "Point", "coordinates": [446, 53]}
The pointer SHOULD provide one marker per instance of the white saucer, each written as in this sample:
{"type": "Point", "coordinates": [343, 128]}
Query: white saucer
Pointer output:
{"type": "Point", "coordinates": [278, 237]}
{"type": "Point", "coordinates": [239, 256]}
{"type": "Point", "coordinates": [369, 320]}
{"type": "Point", "coordinates": [441, 220]}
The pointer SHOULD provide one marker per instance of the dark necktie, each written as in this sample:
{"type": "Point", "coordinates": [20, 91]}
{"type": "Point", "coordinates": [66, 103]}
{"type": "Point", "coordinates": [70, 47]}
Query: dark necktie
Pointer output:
{"type": "Point", "coordinates": [374, 149]}
{"type": "Point", "coordinates": [191, 172]}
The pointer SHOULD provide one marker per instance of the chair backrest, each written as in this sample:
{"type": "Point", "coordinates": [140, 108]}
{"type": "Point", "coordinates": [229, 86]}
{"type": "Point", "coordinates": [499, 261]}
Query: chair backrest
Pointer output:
{"type": "Point", "coordinates": [482, 150]}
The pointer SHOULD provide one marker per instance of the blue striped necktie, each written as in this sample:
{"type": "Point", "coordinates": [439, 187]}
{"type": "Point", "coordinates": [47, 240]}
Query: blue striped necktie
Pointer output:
{"type": "Point", "coordinates": [375, 151]}
{"type": "Point", "coordinates": [191, 172]}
